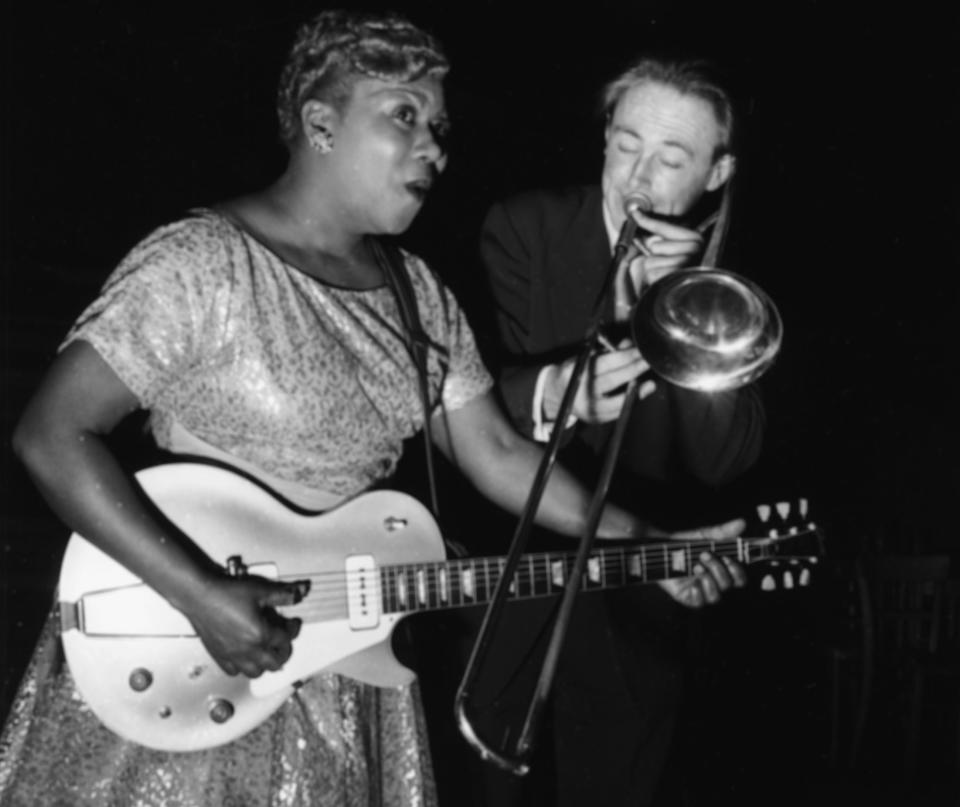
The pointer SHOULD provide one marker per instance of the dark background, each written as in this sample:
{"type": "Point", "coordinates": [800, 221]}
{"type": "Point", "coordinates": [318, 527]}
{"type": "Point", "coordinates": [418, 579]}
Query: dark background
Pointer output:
{"type": "Point", "coordinates": [118, 117]}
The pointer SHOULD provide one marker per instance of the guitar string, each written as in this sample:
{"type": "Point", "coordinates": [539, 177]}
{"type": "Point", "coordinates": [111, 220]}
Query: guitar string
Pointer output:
{"type": "Point", "coordinates": [651, 556]}
{"type": "Point", "coordinates": [609, 557]}
{"type": "Point", "coordinates": [543, 563]}
{"type": "Point", "coordinates": [423, 586]}
{"type": "Point", "coordinates": [408, 587]}
{"type": "Point", "coordinates": [405, 588]}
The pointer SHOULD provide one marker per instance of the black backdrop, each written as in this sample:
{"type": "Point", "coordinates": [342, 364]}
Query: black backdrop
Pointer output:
{"type": "Point", "coordinates": [119, 116]}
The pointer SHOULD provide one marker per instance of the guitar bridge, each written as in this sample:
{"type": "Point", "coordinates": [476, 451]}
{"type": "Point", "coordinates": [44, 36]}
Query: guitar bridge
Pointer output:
{"type": "Point", "coordinates": [70, 617]}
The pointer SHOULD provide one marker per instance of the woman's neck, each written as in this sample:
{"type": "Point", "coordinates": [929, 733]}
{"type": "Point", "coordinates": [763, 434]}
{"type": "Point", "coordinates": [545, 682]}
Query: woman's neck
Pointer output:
{"type": "Point", "coordinates": [303, 229]}
{"type": "Point", "coordinates": [309, 219]}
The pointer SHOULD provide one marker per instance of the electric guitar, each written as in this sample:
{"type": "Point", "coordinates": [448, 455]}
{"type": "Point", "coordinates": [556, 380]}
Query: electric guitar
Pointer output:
{"type": "Point", "coordinates": [371, 561]}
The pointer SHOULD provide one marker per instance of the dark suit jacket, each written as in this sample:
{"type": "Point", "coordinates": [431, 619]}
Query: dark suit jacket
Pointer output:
{"type": "Point", "coordinates": [546, 254]}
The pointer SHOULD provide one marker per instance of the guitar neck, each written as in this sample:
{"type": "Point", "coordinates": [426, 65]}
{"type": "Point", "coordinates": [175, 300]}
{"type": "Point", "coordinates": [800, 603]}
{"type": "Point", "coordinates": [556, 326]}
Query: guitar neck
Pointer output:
{"type": "Point", "coordinates": [409, 588]}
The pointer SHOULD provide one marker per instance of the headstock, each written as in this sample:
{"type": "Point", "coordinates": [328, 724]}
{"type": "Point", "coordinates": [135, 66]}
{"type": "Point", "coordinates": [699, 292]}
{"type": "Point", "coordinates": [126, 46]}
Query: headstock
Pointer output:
{"type": "Point", "coordinates": [790, 546]}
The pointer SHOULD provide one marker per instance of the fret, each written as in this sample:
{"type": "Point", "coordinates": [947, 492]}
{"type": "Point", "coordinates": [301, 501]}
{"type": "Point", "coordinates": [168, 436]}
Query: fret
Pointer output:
{"type": "Point", "coordinates": [678, 561]}
{"type": "Point", "coordinates": [635, 565]}
{"type": "Point", "coordinates": [395, 588]}
{"type": "Point", "coordinates": [625, 561]}
{"type": "Point", "coordinates": [592, 572]}
{"type": "Point", "coordinates": [455, 579]}
{"type": "Point", "coordinates": [521, 583]}
{"type": "Point", "coordinates": [482, 579]}
{"type": "Point", "coordinates": [400, 589]}
{"type": "Point", "coordinates": [444, 585]}
{"type": "Point", "coordinates": [386, 590]}
{"type": "Point", "coordinates": [468, 581]}
{"type": "Point", "coordinates": [615, 567]}
{"type": "Point", "coordinates": [420, 581]}
{"type": "Point", "coordinates": [433, 585]}
{"type": "Point", "coordinates": [498, 579]}
{"type": "Point", "coordinates": [484, 587]}
{"type": "Point", "coordinates": [411, 584]}
{"type": "Point", "coordinates": [433, 575]}
{"type": "Point", "coordinates": [558, 573]}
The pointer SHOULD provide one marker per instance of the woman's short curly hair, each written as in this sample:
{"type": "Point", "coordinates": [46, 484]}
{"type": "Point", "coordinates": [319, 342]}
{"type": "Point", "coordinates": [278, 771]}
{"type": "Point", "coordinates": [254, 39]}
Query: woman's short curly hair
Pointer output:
{"type": "Point", "coordinates": [335, 48]}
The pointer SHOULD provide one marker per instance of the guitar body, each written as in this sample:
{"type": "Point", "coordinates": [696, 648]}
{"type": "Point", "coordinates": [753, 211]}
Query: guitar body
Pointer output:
{"type": "Point", "coordinates": [146, 675]}
{"type": "Point", "coordinates": [142, 670]}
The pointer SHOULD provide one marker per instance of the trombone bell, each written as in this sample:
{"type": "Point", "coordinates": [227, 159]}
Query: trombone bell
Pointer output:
{"type": "Point", "coordinates": [707, 329]}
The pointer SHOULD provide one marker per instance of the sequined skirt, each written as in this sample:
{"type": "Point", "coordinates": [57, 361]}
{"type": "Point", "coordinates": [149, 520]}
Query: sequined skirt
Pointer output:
{"type": "Point", "coordinates": [334, 742]}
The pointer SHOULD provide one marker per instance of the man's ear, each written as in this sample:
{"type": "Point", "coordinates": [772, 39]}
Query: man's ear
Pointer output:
{"type": "Point", "coordinates": [721, 171]}
{"type": "Point", "coordinates": [607, 128]}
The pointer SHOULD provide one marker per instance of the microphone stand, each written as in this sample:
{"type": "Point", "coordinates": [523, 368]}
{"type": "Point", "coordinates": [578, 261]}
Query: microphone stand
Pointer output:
{"type": "Point", "coordinates": [517, 764]}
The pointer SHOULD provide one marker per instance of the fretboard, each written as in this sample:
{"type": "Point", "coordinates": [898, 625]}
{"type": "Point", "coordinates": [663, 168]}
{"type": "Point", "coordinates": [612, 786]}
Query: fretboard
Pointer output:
{"type": "Point", "coordinates": [407, 588]}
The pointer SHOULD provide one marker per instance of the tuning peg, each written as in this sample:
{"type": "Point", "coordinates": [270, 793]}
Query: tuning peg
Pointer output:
{"type": "Point", "coordinates": [787, 579]}
{"type": "Point", "coordinates": [763, 510]}
{"type": "Point", "coordinates": [783, 509]}
{"type": "Point", "coordinates": [773, 534]}
{"type": "Point", "coordinates": [768, 583]}
{"type": "Point", "coordinates": [804, 507]}
{"type": "Point", "coordinates": [805, 577]}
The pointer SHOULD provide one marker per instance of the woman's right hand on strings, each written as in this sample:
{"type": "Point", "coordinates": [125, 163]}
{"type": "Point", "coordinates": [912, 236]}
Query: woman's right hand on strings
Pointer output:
{"type": "Point", "coordinates": [236, 620]}
{"type": "Point", "coordinates": [61, 438]}
{"type": "Point", "coordinates": [602, 386]}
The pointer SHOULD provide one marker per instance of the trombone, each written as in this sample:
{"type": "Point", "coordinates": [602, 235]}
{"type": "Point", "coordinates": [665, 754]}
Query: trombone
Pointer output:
{"type": "Point", "coordinates": [705, 329]}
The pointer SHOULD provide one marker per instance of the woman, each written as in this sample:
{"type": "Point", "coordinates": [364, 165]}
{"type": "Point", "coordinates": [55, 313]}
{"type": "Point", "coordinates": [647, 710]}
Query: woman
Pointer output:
{"type": "Point", "coordinates": [260, 333]}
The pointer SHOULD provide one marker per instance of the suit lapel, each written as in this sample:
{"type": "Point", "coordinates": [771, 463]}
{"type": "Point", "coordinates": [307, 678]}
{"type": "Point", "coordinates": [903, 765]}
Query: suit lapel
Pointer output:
{"type": "Point", "coordinates": [584, 256]}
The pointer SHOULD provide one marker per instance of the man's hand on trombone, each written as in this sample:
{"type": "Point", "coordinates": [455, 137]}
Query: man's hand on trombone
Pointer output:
{"type": "Point", "coordinates": [599, 396]}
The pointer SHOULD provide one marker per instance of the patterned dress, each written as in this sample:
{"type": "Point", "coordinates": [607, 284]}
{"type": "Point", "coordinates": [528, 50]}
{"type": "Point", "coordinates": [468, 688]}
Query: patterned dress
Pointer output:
{"type": "Point", "coordinates": [240, 355]}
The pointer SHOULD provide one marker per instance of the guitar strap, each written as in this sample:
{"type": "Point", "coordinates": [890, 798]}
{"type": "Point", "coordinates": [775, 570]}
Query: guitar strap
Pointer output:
{"type": "Point", "coordinates": [418, 343]}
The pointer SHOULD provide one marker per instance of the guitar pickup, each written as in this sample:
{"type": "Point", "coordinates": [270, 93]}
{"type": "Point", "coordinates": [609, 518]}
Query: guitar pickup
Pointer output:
{"type": "Point", "coordinates": [363, 592]}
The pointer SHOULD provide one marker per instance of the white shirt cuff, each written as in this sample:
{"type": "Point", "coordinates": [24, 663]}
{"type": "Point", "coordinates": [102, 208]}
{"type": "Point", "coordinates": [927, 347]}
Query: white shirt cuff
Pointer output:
{"type": "Point", "coordinates": [543, 428]}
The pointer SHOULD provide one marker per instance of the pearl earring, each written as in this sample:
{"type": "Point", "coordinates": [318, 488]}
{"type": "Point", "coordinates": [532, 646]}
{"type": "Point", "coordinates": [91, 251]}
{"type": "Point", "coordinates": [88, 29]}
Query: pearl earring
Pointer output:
{"type": "Point", "coordinates": [321, 141]}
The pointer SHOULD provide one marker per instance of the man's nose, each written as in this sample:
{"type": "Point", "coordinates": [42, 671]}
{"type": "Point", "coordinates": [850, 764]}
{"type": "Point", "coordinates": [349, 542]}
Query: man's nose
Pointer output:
{"type": "Point", "coordinates": [642, 170]}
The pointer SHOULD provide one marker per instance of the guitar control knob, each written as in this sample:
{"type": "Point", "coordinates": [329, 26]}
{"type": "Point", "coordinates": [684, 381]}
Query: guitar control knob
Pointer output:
{"type": "Point", "coordinates": [140, 679]}
{"type": "Point", "coordinates": [221, 710]}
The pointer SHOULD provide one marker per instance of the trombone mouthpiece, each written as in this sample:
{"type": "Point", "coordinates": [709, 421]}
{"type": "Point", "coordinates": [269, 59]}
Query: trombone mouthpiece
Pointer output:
{"type": "Point", "coordinates": [637, 204]}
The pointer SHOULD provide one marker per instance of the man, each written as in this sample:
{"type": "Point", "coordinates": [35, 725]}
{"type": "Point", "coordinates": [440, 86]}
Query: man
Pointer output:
{"type": "Point", "coordinates": [669, 130]}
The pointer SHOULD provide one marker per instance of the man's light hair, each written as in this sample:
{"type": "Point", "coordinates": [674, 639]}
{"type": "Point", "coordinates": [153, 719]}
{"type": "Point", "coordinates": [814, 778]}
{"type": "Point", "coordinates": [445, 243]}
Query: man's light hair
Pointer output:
{"type": "Point", "coordinates": [688, 77]}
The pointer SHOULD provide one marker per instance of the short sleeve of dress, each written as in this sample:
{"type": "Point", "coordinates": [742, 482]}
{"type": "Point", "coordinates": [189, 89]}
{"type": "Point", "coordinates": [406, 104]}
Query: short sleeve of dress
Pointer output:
{"type": "Point", "coordinates": [159, 313]}
{"type": "Point", "coordinates": [464, 374]}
